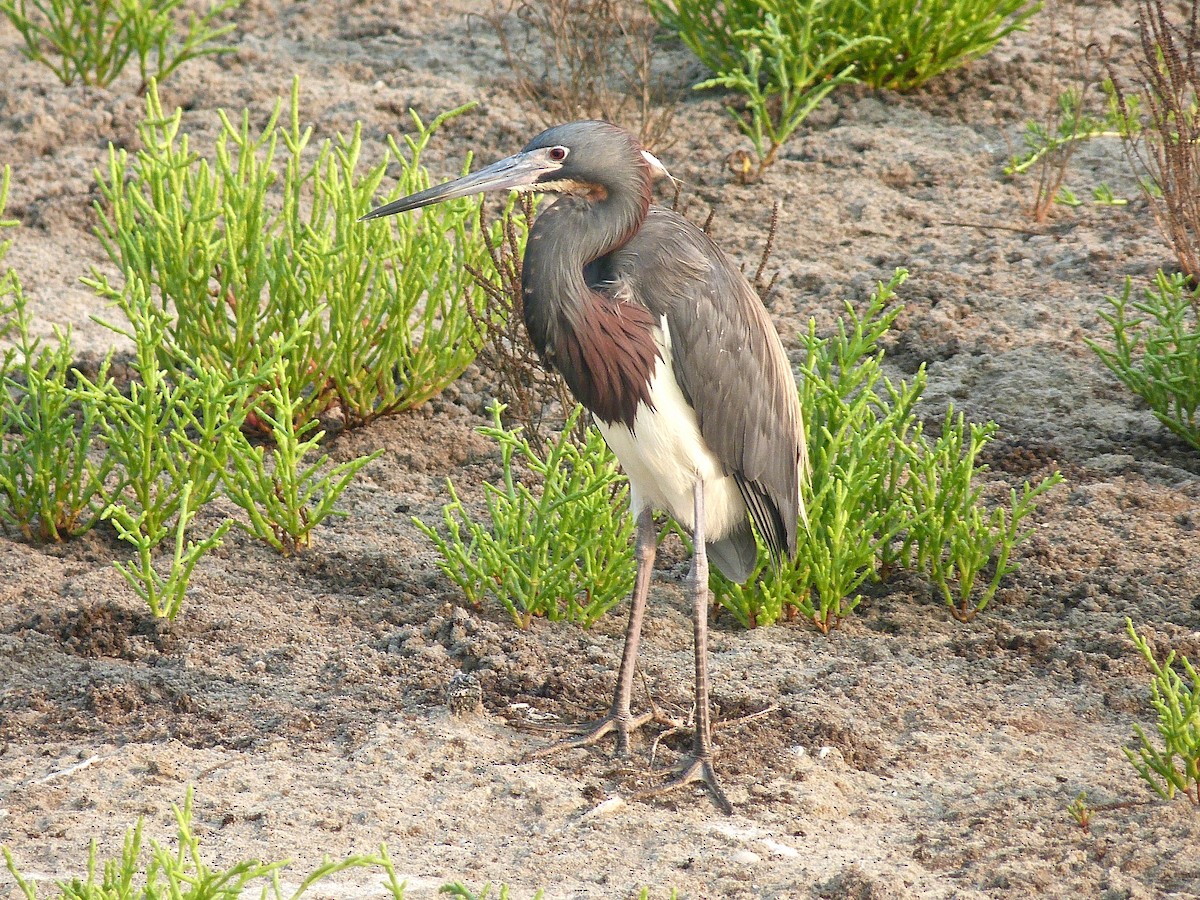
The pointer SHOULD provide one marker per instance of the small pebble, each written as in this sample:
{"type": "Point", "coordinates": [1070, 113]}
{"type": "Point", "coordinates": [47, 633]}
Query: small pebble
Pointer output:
{"type": "Point", "coordinates": [464, 696]}
{"type": "Point", "coordinates": [604, 807]}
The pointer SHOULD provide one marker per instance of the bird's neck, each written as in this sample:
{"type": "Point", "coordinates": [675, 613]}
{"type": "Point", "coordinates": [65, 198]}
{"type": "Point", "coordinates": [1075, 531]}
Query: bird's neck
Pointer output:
{"type": "Point", "coordinates": [603, 347]}
{"type": "Point", "coordinates": [567, 237]}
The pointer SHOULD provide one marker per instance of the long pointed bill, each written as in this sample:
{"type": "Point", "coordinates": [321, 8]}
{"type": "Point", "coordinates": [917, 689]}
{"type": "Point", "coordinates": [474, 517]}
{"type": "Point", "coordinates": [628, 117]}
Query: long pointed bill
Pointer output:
{"type": "Point", "coordinates": [521, 170]}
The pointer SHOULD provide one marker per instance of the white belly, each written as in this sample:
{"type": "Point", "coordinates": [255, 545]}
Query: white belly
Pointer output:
{"type": "Point", "coordinates": [664, 455]}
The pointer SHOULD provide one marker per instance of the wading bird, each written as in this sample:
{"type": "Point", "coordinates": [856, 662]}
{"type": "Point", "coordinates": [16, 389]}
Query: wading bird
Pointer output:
{"type": "Point", "coordinates": [662, 338]}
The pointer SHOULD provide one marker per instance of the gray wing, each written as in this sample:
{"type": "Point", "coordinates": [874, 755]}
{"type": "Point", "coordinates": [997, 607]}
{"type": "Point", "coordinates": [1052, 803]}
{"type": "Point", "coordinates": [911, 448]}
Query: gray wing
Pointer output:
{"type": "Point", "coordinates": [729, 362]}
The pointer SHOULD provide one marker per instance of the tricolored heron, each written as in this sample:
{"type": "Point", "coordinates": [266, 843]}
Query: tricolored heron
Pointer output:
{"type": "Point", "coordinates": [662, 338]}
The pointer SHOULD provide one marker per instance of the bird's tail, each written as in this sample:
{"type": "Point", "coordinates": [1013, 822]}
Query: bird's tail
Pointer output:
{"type": "Point", "coordinates": [735, 555]}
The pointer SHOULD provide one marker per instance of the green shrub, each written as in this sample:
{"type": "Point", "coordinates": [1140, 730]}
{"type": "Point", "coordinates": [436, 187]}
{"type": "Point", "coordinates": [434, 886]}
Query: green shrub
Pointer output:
{"type": "Point", "coordinates": [177, 437]}
{"type": "Point", "coordinates": [785, 56]}
{"type": "Point", "coordinates": [1155, 350]}
{"type": "Point", "coordinates": [852, 500]}
{"type": "Point", "coordinates": [50, 485]}
{"type": "Point", "coordinates": [182, 873]}
{"type": "Point", "coordinates": [284, 498]}
{"type": "Point", "coordinates": [897, 44]}
{"type": "Point", "coordinates": [171, 429]}
{"type": "Point", "coordinates": [93, 40]}
{"type": "Point", "coordinates": [562, 552]}
{"type": "Point", "coordinates": [782, 56]}
{"type": "Point", "coordinates": [241, 249]}
{"type": "Point", "coordinates": [953, 537]}
{"type": "Point", "coordinates": [167, 441]}
{"type": "Point", "coordinates": [1176, 700]}
{"type": "Point", "coordinates": [924, 38]}
{"type": "Point", "coordinates": [881, 495]}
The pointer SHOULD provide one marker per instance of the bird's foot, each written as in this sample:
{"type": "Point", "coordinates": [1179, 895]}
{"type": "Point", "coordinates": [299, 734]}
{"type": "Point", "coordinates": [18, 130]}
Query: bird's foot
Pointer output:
{"type": "Point", "coordinates": [592, 732]}
{"type": "Point", "coordinates": [694, 768]}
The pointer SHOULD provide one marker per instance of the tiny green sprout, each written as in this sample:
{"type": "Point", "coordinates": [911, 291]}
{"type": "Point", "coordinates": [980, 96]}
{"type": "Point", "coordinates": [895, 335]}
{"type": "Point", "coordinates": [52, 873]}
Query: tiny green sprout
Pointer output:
{"type": "Point", "coordinates": [462, 892]}
{"type": "Point", "coordinates": [1049, 146]}
{"type": "Point", "coordinates": [1067, 197]}
{"type": "Point", "coordinates": [1072, 125]}
{"type": "Point", "coordinates": [1081, 812]}
{"type": "Point", "coordinates": [1150, 187]}
{"type": "Point", "coordinates": [1102, 195]}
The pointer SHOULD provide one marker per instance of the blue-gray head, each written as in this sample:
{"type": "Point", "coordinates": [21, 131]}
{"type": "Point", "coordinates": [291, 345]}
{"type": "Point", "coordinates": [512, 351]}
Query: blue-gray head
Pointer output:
{"type": "Point", "coordinates": [591, 159]}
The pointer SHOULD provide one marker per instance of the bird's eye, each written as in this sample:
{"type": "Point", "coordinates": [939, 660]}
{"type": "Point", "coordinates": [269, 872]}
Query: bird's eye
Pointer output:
{"type": "Point", "coordinates": [558, 154]}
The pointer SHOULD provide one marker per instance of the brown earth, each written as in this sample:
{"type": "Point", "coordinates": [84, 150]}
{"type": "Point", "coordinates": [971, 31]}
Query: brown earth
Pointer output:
{"type": "Point", "coordinates": [910, 756]}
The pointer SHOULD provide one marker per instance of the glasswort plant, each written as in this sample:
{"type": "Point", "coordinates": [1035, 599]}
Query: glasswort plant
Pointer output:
{"type": "Point", "coordinates": [781, 55]}
{"type": "Point", "coordinates": [51, 487]}
{"type": "Point", "coordinates": [52, 484]}
{"type": "Point", "coordinates": [953, 536]}
{"type": "Point", "coordinates": [785, 56]}
{"type": "Point", "coordinates": [284, 498]}
{"type": "Point", "coordinates": [1155, 350]}
{"type": "Point", "coordinates": [563, 552]}
{"type": "Point", "coordinates": [882, 495]}
{"type": "Point", "coordinates": [93, 40]}
{"type": "Point", "coordinates": [170, 430]}
{"type": "Point", "coordinates": [242, 248]}
{"type": "Point", "coordinates": [853, 502]}
{"type": "Point", "coordinates": [1176, 700]}
{"type": "Point", "coordinates": [164, 594]}
{"type": "Point", "coordinates": [1050, 145]}
{"type": "Point", "coordinates": [183, 873]}
{"type": "Point", "coordinates": [924, 38]}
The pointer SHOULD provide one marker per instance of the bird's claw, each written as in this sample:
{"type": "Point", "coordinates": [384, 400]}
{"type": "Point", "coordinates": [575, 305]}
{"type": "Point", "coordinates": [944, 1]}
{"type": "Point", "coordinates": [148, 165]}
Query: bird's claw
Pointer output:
{"type": "Point", "coordinates": [695, 768]}
{"type": "Point", "coordinates": [593, 732]}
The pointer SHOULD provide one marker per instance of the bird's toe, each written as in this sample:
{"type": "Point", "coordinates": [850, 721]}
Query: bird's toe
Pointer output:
{"type": "Point", "coordinates": [593, 732]}
{"type": "Point", "coordinates": [694, 769]}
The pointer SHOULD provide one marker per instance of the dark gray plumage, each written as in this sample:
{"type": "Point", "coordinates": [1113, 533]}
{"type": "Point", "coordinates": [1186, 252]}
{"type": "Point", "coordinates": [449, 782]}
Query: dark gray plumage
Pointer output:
{"type": "Point", "coordinates": [661, 337]}
{"type": "Point", "coordinates": [730, 366]}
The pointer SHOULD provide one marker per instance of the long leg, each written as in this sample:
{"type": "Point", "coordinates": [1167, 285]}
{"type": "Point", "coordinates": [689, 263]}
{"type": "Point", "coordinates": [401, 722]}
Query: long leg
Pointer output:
{"type": "Point", "coordinates": [699, 767]}
{"type": "Point", "coordinates": [619, 718]}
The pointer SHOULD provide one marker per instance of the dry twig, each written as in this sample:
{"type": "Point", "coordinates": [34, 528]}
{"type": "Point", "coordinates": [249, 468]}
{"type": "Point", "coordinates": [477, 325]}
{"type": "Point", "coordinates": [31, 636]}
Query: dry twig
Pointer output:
{"type": "Point", "coordinates": [587, 59]}
{"type": "Point", "coordinates": [1168, 149]}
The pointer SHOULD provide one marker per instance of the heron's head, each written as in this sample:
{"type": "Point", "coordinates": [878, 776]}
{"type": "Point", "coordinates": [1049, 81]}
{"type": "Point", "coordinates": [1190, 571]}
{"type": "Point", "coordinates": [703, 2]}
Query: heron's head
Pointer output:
{"type": "Point", "coordinates": [591, 159]}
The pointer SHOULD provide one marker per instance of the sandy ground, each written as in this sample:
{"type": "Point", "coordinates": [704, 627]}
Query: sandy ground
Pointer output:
{"type": "Point", "coordinates": [910, 756]}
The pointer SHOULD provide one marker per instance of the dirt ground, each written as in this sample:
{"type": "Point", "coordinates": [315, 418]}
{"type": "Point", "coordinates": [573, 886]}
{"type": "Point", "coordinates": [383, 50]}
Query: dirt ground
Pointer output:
{"type": "Point", "coordinates": [910, 756]}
